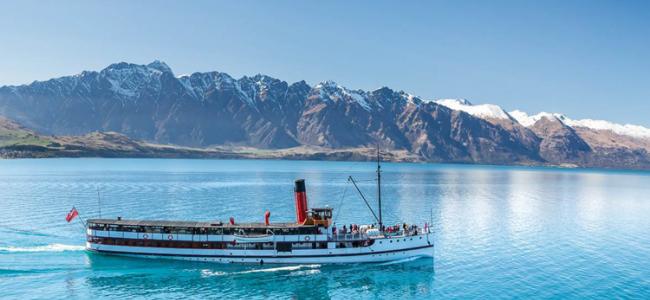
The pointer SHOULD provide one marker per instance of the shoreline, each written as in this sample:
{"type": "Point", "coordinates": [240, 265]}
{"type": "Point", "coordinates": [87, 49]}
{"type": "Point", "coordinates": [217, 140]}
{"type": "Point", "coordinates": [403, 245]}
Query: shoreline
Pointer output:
{"type": "Point", "coordinates": [316, 157]}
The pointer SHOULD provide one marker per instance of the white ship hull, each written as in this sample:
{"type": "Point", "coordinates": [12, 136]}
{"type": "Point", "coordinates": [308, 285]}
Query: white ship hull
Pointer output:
{"type": "Point", "coordinates": [382, 250]}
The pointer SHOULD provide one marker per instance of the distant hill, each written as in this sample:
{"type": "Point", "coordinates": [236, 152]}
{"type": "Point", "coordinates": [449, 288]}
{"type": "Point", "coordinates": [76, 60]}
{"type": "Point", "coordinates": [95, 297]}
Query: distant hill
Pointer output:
{"type": "Point", "coordinates": [130, 108]}
{"type": "Point", "coordinates": [19, 142]}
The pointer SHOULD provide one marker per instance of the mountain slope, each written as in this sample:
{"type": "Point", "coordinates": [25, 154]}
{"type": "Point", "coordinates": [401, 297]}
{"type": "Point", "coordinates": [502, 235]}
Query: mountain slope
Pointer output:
{"type": "Point", "coordinates": [213, 109]}
{"type": "Point", "coordinates": [149, 102]}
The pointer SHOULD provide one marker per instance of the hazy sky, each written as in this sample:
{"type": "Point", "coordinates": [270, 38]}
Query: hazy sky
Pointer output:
{"type": "Point", "coordinates": [582, 58]}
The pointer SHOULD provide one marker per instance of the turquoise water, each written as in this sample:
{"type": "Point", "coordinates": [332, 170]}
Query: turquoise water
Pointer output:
{"type": "Point", "coordinates": [501, 232]}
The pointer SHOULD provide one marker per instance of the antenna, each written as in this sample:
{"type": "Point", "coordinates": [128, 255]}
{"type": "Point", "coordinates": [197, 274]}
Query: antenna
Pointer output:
{"type": "Point", "coordinates": [379, 186]}
{"type": "Point", "coordinates": [99, 203]}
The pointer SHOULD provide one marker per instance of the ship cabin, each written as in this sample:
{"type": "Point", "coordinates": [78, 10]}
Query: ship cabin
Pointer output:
{"type": "Point", "coordinates": [200, 228]}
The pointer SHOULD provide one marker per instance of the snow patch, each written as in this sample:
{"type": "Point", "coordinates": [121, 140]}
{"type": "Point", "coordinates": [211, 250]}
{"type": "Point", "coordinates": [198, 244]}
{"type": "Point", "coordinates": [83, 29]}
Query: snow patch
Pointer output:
{"type": "Point", "coordinates": [160, 66]}
{"type": "Point", "coordinates": [526, 120]}
{"type": "Point", "coordinates": [635, 131]}
{"type": "Point", "coordinates": [481, 110]}
{"type": "Point", "coordinates": [356, 96]}
{"type": "Point", "coordinates": [332, 91]}
{"type": "Point", "coordinates": [129, 79]}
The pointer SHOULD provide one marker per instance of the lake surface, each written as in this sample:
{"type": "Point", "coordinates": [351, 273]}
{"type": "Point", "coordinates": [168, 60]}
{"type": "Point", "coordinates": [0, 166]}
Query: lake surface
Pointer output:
{"type": "Point", "coordinates": [501, 232]}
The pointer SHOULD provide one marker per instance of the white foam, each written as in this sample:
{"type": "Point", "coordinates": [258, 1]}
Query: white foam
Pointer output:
{"type": "Point", "coordinates": [279, 269]}
{"type": "Point", "coordinates": [208, 273]}
{"type": "Point", "coordinates": [304, 272]}
{"type": "Point", "coordinates": [45, 248]}
{"type": "Point", "coordinates": [401, 261]}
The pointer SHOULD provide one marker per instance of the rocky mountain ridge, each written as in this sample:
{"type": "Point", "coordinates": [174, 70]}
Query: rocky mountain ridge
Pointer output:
{"type": "Point", "coordinates": [203, 110]}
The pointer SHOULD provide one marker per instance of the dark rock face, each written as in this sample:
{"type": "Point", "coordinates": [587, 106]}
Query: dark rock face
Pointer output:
{"type": "Point", "coordinates": [148, 102]}
{"type": "Point", "coordinates": [560, 143]}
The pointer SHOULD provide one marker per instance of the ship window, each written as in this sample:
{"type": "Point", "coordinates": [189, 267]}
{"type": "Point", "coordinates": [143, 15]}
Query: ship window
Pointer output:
{"type": "Point", "coordinates": [284, 247]}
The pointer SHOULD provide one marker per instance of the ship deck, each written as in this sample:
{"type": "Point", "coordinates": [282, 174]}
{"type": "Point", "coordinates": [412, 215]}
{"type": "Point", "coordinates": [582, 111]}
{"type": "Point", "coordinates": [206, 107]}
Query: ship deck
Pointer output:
{"type": "Point", "coordinates": [194, 224]}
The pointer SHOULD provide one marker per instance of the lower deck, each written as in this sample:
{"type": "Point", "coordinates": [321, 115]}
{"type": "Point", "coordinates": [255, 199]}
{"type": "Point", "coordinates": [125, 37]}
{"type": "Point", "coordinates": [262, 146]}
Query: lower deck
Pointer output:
{"type": "Point", "coordinates": [382, 249]}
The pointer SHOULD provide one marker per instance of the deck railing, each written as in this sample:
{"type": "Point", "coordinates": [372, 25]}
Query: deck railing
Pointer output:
{"type": "Point", "coordinates": [348, 237]}
{"type": "Point", "coordinates": [362, 236]}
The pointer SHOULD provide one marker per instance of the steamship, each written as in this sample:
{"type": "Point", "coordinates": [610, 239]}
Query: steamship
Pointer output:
{"type": "Point", "coordinates": [313, 238]}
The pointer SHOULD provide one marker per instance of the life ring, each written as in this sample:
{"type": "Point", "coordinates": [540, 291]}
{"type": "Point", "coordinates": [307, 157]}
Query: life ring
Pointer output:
{"type": "Point", "coordinates": [307, 238]}
{"type": "Point", "coordinates": [145, 236]}
{"type": "Point", "coordinates": [170, 237]}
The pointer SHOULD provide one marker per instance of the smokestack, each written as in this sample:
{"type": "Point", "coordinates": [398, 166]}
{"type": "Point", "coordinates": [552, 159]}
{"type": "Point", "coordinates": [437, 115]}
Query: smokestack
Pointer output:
{"type": "Point", "coordinates": [301, 201]}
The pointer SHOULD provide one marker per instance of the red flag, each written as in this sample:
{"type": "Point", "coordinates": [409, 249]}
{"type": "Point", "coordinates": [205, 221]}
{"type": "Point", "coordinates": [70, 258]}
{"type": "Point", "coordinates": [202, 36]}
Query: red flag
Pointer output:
{"type": "Point", "coordinates": [71, 215]}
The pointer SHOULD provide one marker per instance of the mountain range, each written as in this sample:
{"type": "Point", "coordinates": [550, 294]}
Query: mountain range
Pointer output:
{"type": "Point", "coordinates": [150, 104]}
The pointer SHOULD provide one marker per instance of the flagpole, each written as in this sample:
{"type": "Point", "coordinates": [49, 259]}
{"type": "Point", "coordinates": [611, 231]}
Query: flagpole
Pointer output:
{"type": "Point", "coordinates": [80, 219]}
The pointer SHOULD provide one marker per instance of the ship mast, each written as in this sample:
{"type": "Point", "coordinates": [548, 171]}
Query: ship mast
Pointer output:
{"type": "Point", "coordinates": [379, 188]}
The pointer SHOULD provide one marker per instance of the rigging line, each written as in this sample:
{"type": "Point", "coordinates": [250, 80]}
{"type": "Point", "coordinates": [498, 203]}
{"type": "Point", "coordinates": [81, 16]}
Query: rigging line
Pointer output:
{"type": "Point", "coordinates": [364, 198]}
{"type": "Point", "coordinates": [339, 207]}
{"type": "Point", "coordinates": [80, 219]}
{"type": "Point", "coordinates": [366, 180]}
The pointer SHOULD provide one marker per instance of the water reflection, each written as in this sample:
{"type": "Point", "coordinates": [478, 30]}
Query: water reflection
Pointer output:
{"type": "Point", "coordinates": [146, 277]}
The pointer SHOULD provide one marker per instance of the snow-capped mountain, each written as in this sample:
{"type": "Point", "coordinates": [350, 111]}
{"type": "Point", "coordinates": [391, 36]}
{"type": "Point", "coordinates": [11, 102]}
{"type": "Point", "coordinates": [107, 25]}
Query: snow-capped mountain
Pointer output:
{"type": "Point", "coordinates": [486, 111]}
{"type": "Point", "coordinates": [151, 103]}
{"type": "Point", "coordinates": [564, 139]}
{"type": "Point", "coordinates": [635, 131]}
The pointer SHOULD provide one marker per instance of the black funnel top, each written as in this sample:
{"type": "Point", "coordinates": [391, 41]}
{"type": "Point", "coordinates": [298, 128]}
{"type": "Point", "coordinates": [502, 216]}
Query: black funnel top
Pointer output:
{"type": "Point", "coordinates": [300, 186]}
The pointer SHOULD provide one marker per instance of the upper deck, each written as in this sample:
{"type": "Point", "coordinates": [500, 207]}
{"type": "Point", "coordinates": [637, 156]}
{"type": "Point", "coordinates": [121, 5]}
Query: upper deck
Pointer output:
{"type": "Point", "coordinates": [195, 227]}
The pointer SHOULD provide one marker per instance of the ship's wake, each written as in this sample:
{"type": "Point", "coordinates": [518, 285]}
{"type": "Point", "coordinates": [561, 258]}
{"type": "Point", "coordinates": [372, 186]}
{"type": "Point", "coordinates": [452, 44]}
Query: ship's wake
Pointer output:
{"type": "Point", "coordinates": [305, 269]}
{"type": "Point", "coordinates": [43, 248]}
{"type": "Point", "coordinates": [400, 261]}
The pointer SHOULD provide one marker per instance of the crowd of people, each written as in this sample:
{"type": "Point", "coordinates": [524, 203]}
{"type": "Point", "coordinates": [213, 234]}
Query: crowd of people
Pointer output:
{"type": "Point", "coordinates": [389, 230]}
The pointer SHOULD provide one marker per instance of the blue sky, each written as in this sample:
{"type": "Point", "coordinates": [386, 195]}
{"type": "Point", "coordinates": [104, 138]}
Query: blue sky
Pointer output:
{"type": "Point", "coordinates": [582, 58]}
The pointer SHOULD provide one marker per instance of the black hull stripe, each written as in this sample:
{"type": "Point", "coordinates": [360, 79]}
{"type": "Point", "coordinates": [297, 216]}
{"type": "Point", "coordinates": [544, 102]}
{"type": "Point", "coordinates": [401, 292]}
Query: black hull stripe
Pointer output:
{"type": "Point", "coordinates": [260, 256]}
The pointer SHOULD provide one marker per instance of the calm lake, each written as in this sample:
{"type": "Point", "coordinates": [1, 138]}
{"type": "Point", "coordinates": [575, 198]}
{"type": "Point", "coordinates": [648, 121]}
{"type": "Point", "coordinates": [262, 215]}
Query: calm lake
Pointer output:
{"type": "Point", "coordinates": [501, 232]}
